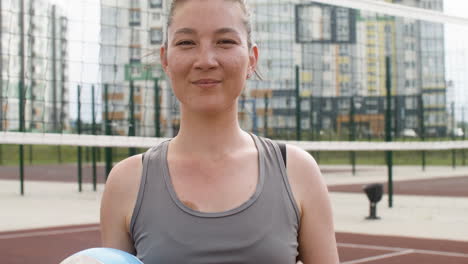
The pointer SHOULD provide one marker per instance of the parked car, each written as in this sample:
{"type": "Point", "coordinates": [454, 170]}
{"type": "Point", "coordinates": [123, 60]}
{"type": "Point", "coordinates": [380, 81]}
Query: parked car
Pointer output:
{"type": "Point", "coordinates": [408, 132]}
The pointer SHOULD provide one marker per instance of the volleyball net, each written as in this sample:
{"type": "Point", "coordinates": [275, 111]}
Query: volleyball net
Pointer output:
{"type": "Point", "coordinates": [338, 76]}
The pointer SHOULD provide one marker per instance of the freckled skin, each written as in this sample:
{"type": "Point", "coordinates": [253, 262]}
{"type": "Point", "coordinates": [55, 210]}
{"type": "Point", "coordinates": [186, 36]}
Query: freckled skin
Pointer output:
{"type": "Point", "coordinates": [190, 205]}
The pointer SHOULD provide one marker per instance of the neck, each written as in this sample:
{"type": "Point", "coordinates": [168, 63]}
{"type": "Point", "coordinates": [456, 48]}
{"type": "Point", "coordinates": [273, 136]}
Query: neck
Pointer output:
{"type": "Point", "coordinates": [210, 135]}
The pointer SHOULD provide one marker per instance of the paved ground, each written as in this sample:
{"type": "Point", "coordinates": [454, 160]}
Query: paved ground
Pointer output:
{"type": "Point", "coordinates": [28, 246]}
{"type": "Point", "coordinates": [404, 234]}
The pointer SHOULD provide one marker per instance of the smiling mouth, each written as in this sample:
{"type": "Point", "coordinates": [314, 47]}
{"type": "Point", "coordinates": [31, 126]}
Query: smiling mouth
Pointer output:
{"type": "Point", "coordinates": [206, 83]}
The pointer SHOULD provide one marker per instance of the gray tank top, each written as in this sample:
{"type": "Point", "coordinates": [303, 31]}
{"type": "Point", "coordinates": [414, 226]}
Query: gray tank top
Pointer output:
{"type": "Point", "coordinates": [263, 229]}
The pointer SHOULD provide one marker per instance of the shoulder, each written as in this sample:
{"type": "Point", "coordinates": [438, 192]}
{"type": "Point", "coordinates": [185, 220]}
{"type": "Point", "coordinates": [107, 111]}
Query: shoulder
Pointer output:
{"type": "Point", "coordinates": [122, 187]}
{"type": "Point", "coordinates": [304, 176]}
{"type": "Point", "coordinates": [317, 242]}
{"type": "Point", "coordinates": [125, 172]}
{"type": "Point", "coordinates": [303, 166]}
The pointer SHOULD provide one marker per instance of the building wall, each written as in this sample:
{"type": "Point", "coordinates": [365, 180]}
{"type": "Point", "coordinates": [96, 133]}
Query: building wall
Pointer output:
{"type": "Point", "coordinates": [131, 34]}
{"type": "Point", "coordinates": [39, 81]}
{"type": "Point", "coordinates": [327, 69]}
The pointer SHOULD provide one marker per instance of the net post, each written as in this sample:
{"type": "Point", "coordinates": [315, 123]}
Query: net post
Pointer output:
{"type": "Point", "coordinates": [265, 116]}
{"type": "Point", "coordinates": [464, 135]}
{"type": "Point", "coordinates": [131, 121]}
{"type": "Point", "coordinates": [1, 80]}
{"type": "Point", "coordinates": [93, 129]}
{"type": "Point", "coordinates": [254, 117]}
{"type": "Point", "coordinates": [422, 129]}
{"type": "Point", "coordinates": [298, 105]}
{"type": "Point", "coordinates": [21, 94]}
{"type": "Point", "coordinates": [454, 124]}
{"type": "Point", "coordinates": [157, 113]}
{"type": "Point", "coordinates": [108, 150]}
{"type": "Point", "coordinates": [388, 129]}
{"type": "Point", "coordinates": [78, 125]}
{"type": "Point", "coordinates": [352, 133]}
{"type": "Point", "coordinates": [311, 118]}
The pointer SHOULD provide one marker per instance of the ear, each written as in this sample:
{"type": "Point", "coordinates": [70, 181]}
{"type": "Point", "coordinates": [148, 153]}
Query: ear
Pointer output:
{"type": "Point", "coordinates": [253, 58]}
{"type": "Point", "coordinates": [163, 58]}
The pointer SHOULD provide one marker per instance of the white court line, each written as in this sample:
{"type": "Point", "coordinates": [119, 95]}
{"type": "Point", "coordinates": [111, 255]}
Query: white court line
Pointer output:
{"type": "Point", "coordinates": [49, 233]}
{"type": "Point", "coordinates": [422, 251]}
{"type": "Point", "coordinates": [389, 255]}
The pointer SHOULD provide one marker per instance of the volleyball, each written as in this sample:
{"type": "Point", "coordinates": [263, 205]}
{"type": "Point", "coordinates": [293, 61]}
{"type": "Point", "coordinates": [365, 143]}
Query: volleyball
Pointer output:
{"type": "Point", "coordinates": [101, 256]}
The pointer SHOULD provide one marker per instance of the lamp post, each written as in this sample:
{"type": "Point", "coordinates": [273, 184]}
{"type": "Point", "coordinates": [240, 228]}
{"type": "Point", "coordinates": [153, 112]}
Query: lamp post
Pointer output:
{"type": "Point", "coordinates": [355, 105]}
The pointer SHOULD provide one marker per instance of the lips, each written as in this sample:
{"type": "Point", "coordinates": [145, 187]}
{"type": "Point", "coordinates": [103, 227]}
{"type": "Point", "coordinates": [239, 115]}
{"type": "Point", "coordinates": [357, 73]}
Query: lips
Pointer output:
{"type": "Point", "coordinates": [206, 83]}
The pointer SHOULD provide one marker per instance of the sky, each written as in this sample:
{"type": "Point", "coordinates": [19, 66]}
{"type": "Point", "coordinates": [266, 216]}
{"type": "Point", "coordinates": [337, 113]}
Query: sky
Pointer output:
{"type": "Point", "coordinates": [84, 47]}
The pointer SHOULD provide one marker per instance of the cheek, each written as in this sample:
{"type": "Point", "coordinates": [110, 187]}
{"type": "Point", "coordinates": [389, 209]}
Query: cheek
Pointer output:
{"type": "Point", "coordinates": [238, 66]}
{"type": "Point", "coordinates": [178, 65]}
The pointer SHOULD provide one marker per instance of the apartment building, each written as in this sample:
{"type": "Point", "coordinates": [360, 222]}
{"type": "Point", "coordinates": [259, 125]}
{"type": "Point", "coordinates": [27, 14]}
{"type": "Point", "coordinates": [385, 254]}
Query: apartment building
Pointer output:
{"type": "Point", "coordinates": [45, 66]}
{"type": "Point", "coordinates": [348, 58]}
{"type": "Point", "coordinates": [131, 34]}
{"type": "Point", "coordinates": [337, 60]}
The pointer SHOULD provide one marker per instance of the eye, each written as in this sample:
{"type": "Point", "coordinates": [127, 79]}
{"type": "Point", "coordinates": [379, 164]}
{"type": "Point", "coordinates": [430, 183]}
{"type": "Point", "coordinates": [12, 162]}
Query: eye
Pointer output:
{"type": "Point", "coordinates": [227, 42]}
{"type": "Point", "coordinates": [185, 43]}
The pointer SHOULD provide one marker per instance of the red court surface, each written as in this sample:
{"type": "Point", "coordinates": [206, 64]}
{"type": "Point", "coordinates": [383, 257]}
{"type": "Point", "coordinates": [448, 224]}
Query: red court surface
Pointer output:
{"type": "Point", "coordinates": [51, 245]}
{"type": "Point", "coordinates": [69, 172]}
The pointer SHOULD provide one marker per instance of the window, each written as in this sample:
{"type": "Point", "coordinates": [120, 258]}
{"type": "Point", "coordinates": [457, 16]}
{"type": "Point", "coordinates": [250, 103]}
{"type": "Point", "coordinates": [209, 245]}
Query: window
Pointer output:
{"type": "Point", "coordinates": [156, 16]}
{"type": "Point", "coordinates": [135, 70]}
{"type": "Point", "coordinates": [135, 54]}
{"type": "Point", "coordinates": [134, 3]}
{"type": "Point", "coordinates": [134, 36]}
{"type": "Point", "coordinates": [410, 103]}
{"type": "Point", "coordinates": [155, 3]}
{"type": "Point", "coordinates": [156, 36]}
{"type": "Point", "coordinates": [135, 17]}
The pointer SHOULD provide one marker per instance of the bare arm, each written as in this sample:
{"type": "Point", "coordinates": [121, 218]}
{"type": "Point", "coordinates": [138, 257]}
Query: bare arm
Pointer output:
{"type": "Point", "coordinates": [317, 243]}
{"type": "Point", "coordinates": [117, 204]}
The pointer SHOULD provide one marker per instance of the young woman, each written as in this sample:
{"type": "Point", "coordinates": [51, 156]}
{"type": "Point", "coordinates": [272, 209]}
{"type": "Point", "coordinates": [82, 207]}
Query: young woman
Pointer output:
{"type": "Point", "coordinates": [215, 193]}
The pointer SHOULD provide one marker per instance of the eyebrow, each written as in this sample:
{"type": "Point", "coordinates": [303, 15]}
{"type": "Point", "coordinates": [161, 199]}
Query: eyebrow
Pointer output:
{"type": "Point", "coordinates": [226, 30]}
{"type": "Point", "coordinates": [185, 31]}
{"type": "Point", "coordinates": [191, 31]}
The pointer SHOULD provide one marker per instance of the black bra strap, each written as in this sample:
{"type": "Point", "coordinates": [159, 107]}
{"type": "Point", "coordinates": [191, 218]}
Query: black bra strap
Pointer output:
{"type": "Point", "coordinates": [282, 147]}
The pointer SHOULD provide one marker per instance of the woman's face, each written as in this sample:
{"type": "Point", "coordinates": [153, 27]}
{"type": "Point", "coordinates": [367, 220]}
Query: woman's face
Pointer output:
{"type": "Point", "coordinates": [207, 56]}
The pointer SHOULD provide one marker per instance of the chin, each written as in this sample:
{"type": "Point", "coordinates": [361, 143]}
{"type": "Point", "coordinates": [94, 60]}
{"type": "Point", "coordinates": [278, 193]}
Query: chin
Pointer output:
{"type": "Point", "coordinates": [210, 108]}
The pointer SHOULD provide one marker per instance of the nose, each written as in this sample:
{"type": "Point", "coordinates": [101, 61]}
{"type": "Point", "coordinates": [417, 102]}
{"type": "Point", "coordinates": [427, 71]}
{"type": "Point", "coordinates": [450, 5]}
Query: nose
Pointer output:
{"type": "Point", "coordinates": [206, 59]}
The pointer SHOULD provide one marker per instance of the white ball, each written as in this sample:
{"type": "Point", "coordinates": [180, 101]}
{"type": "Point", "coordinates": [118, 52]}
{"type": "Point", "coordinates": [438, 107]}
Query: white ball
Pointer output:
{"type": "Point", "coordinates": [101, 256]}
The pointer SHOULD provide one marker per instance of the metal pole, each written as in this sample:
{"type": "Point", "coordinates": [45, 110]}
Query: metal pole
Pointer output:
{"type": "Point", "coordinates": [93, 128]}
{"type": "Point", "coordinates": [54, 71]}
{"type": "Point", "coordinates": [422, 129]}
{"type": "Point", "coordinates": [265, 117]}
{"type": "Point", "coordinates": [54, 80]}
{"type": "Point", "coordinates": [464, 135]}
{"type": "Point", "coordinates": [454, 124]}
{"type": "Point", "coordinates": [312, 122]}
{"type": "Point", "coordinates": [108, 150]}
{"type": "Point", "coordinates": [31, 69]}
{"type": "Point", "coordinates": [254, 116]}
{"type": "Point", "coordinates": [388, 129]}
{"type": "Point", "coordinates": [157, 113]}
{"type": "Point", "coordinates": [131, 121]}
{"type": "Point", "coordinates": [395, 117]}
{"type": "Point", "coordinates": [1, 76]}
{"type": "Point", "coordinates": [62, 82]}
{"type": "Point", "coordinates": [78, 124]}
{"type": "Point", "coordinates": [298, 105]}
{"type": "Point", "coordinates": [21, 94]}
{"type": "Point", "coordinates": [352, 134]}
